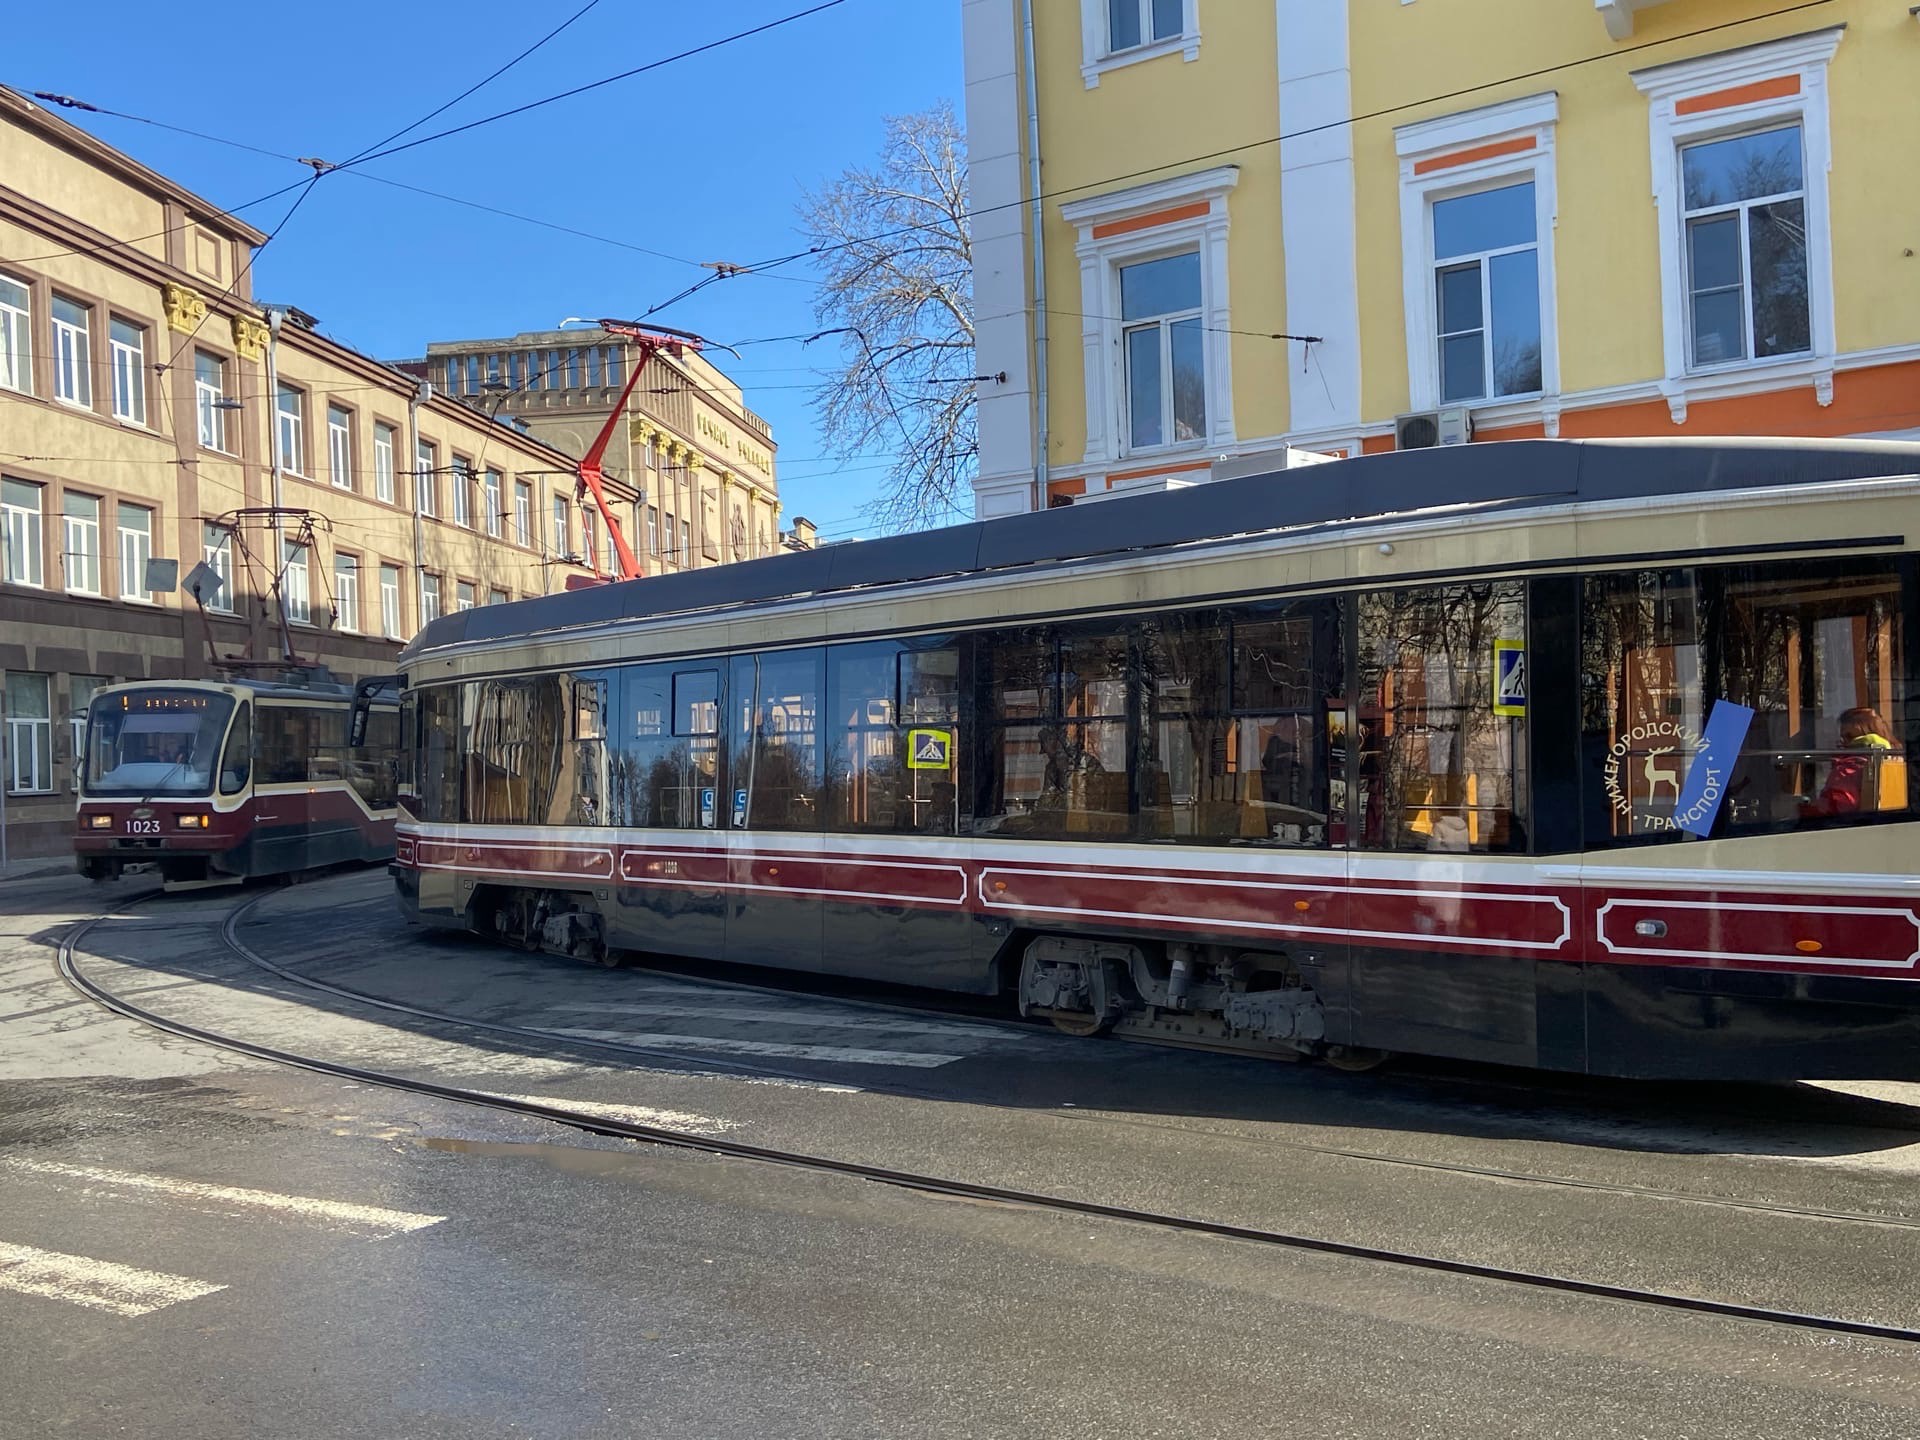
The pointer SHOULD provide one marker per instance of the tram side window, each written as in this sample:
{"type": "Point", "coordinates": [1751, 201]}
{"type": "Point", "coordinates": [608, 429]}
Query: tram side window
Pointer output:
{"type": "Point", "coordinates": [1053, 711]}
{"type": "Point", "coordinates": [500, 762]}
{"type": "Point", "coordinates": [375, 765]}
{"type": "Point", "coordinates": [282, 750]}
{"type": "Point", "coordinates": [1816, 650]}
{"type": "Point", "coordinates": [667, 746]}
{"type": "Point", "coordinates": [327, 743]}
{"type": "Point", "coordinates": [1442, 751]}
{"type": "Point", "coordinates": [891, 730]}
{"type": "Point", "coordinates": [775, 745]}
{"type": "Point", "coordinates": [236, 764]}
{"type": "Point", "coordinates": [585, 789]}
{"type": "Point", "coordinates": [1641, 709]}
{"type": "Point", "coordinates": [439, 768]}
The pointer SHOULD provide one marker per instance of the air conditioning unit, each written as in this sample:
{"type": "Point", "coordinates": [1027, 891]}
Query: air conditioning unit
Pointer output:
{"type": "Point", "coordinates": [1427, 428]}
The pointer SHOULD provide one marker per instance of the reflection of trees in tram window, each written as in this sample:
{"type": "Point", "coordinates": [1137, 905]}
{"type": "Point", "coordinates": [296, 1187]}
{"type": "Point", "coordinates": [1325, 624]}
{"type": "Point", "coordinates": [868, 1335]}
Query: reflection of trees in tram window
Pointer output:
{"type": "Point", "coordinates": [1438, 768]}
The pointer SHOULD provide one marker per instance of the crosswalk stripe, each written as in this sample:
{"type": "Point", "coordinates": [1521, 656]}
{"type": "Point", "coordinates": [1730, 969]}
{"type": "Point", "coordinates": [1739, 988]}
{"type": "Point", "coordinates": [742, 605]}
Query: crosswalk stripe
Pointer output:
{"type": "Point", "coordinates": [373, 1218]}
{"type": "Point", "coordinates": [842, 1054]}
{"type": "Point", "coordinates": [633, 1114]}
{"type": "Point", "coordinates": [96, 1284]}
{"type": "Point", "coordinates": [956, 1029]}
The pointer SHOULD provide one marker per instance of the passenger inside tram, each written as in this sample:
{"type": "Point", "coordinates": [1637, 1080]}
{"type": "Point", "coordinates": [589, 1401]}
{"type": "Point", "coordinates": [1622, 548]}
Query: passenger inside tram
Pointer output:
{"type": "Point", "coordinates": [1868, 774]}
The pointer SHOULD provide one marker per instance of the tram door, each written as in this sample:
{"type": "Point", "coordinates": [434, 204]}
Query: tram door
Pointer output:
{"type": "Point", "coordinates": [283, 806]}
{"type": "Point", "coordinates": [776, 862]}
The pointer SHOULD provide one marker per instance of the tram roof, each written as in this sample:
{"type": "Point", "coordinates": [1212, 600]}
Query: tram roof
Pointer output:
{"type": "Point", "coordinates": [1362, 490]}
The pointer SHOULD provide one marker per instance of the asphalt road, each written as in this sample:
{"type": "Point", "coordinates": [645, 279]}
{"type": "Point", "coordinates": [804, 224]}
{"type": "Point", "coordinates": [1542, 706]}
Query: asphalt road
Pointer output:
{"type": "Point", "coordinates": [196, 1245]}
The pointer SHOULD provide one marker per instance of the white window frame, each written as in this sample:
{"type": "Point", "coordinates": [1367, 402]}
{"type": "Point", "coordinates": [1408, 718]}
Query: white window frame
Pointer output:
{"type": "Point", "coordinates": [295, 583]}
{"type": "Point", "coordinates": [390, 583]}
{"type": "Point", "coordinates": [498, 597]}
{"type": "Point", "coordinates": [466, 595]}
{"type": "Point", "coordinates": [429, 597]}
{"type": "Point", "coordinates": [1097, 56]}
{"type": "Point", "coordinates": [462, 477]}
{"type": "Point", "coordinates": [490, 482]}
{"type": "Point", "coordinates": [523, 512]}
{"type": "Point", "coordinates": [129, 366]}
{"type": "Point", "coordinates": [135, 548]}
{"type": "Point", "coordinates": [72, 353]}
{"type": "Point", "coordinates": [1533, 118]}
{"type": "Point", "coordinates": [78, 723]}
{"type": "Point", "coordinates": [218, 553]}
{"type": "Point", "coordinates": [426, 484]}
{"type": "Point", "coordinates": [346, 591]}
{"type": "Point", "coordinates": [16, 339]}
{"type": "Point", "coordinates": [562, 527]}
{"type": "Point", "coordinates": [29, 738]}
{"type": "Point", "coordinates": [1667, 88]}
{"type": "Point", "coordinates": [340, 447]}
{"type": "Point", "coordinates": [1101, 328]}
{"type": "Point", "coordinates": [384, 436]}
{"type": "Point", "coordinates": [80, 544]}
{"type": "Point", "coordinates": [291, 428]}
{"type": "Point", "coordinates": [25, 537]}
{"type": "Point", "coordinates": [210, 419]}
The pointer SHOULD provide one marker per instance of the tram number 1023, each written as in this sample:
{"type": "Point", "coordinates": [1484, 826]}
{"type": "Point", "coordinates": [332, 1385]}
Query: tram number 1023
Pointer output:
{"type": "Point", "coordinates": [143, 827]}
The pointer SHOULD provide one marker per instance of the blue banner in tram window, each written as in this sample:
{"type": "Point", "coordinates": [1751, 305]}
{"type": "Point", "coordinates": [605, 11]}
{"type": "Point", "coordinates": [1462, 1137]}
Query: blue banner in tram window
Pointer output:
{"type": "Point", "coordinates": [1706, 787]}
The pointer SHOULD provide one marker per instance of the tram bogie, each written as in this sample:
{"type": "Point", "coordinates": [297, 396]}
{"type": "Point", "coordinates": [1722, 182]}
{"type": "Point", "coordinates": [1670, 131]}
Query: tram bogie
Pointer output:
{"type": "Point", "coordinates": [1612, 777]}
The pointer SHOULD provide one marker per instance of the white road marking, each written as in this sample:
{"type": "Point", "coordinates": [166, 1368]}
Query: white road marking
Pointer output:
{"type": "Point", "coordinates": [955, 1029]}
{"type": "Point", "coordinates": [363, 1218]}
{"type": "Point", "coordinates": [96, 1284]}
{"type": "Point", "coordinates": [840, 1054]}
{"type": "Point", "coordinates": [633, 1114]}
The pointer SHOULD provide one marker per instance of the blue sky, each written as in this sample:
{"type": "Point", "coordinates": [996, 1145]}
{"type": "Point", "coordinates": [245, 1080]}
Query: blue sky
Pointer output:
{"type": "Point", "coordinates": [702, 159]}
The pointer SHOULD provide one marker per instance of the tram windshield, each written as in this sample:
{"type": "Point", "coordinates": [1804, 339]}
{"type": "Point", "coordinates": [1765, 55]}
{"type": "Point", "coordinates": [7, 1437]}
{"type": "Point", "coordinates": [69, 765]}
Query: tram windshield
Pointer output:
{"type": "Point", "coordinates": [154, 742]}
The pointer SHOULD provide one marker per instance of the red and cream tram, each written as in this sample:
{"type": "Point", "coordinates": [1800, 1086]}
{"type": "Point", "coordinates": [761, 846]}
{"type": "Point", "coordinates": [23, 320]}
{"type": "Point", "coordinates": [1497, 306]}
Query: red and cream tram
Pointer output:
{"type": "Point", "coordinates": [1590, 756]}
{"type": "Point", "coordinates": [209, 779]}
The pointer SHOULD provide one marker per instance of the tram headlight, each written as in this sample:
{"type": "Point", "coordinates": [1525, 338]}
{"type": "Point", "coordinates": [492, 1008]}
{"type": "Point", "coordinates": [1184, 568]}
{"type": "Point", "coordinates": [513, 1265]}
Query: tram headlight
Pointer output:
{"type": "Point", "coordinates": [191, 822]}
{"type": "Point", "coordinates": [100, 822]}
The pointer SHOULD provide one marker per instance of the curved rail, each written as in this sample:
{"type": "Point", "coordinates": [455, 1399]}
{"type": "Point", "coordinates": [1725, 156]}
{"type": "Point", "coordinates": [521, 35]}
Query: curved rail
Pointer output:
{"type": "Point", "coordinates": [936, 1185]}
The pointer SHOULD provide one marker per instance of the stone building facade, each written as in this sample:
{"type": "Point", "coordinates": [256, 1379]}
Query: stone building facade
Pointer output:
{"type": "Point", "coordinates": [150, 409]}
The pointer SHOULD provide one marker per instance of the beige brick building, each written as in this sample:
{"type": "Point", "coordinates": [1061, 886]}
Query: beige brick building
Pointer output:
{"type": "Point", "coordinates": [138, 421]}
{"type": "Point", "coordinates": [695, 463]}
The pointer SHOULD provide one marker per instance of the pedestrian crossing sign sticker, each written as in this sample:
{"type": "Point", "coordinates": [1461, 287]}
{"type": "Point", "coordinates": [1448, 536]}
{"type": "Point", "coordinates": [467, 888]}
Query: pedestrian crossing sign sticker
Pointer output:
{"type": "Point", "coordinates": [1510, 677]}
{"type": "Point", "coordinates": [929, 749]}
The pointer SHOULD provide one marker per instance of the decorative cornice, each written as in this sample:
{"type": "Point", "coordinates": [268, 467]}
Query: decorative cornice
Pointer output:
{"type": "Point", "coordinates": [1469, 127]}
{"type": "Point", "coordinates": [1737, 67]}
{"type": "Point", "coordinates": [1119, 204]}
{"type": "Point", "coordinates": [185, 308]}
{"type": "Point", "coordinates": [250, 337]}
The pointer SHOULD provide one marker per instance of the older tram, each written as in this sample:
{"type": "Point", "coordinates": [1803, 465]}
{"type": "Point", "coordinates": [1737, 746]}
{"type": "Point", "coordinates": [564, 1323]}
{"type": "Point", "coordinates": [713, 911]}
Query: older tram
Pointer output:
{"type": "Point", "coordinates": [205, 780]}
{"type": "Point", "coordinates": [1589, 756]}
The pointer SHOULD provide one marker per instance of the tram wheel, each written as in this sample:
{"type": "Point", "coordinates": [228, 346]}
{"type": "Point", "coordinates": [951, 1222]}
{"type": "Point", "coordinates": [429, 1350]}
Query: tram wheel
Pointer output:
{"type": "Point", "coordinates": [1355, 1060]}
{"type": "Point", "coordinates": [1080, 1023]}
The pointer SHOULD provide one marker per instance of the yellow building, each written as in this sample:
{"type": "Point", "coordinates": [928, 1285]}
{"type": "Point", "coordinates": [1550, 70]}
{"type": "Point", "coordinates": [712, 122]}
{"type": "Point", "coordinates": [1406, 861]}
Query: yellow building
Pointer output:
{"type": "Point", "coordinates": [151, 410]}
{"type": "Point", "coordinates": [1345, 224]}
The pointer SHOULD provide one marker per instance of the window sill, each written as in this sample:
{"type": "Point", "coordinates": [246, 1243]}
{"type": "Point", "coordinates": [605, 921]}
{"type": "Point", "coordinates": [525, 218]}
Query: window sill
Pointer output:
{"type": "Point", "coordinates": [1747, 377]}
{"type": "Point", "coordinates": [1186, 46]}
{"type": "Point", "coordinates": [1179, 450]}
{"type": "Point", "coordinates": [34, 794]}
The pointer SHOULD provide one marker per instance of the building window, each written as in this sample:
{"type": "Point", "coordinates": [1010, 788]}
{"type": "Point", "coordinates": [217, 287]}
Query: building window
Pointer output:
{"type": "Point", "coordinates": [16, 348]}
{"type": "Point", "coordinates": [462, 595]}
{"type": "Point", "coordinates": [20, 505]}
{"type": "Point", "coordinates": [426, 484]}
{"type": "Point", "coordinates": [1120, 32]}
{"type": "Point", "coordinates": [453, 374]}
{"type": "Point", "coordinates": [129, 346]}
{"type": "Point", "coordinates": [80, 543]}
{"type": "Point", "coordinates": [429, 597]}
{"type": "Point", "coordinates": [1153, 279]}
{"type": "Point", "coordinates": [209, 397]}
{"type": "Point", "coordinates": [390, 601]}
{"type": "Point", "coordinates": [80, 691]}
{"type": "Point", "coordinates": [346, 591]}
{"type": "Point", "coordinates": [462, 492]}
{"type": "Point", "coordinates": [293, 584]}
{"type": "Point", "coordinates": [72, 353]}
{"type": "Point", "coordinates": [1487, 293]}
{"type": "Point", "coordinates": [383, 438]}
{"type": "Point", "coordinates": [517, 369]}
{"type": "Point", "coordinates": [616, 366]}
{"type": "Point", "coordinates": [473, 374]}
{"type": "Point", "coordinates": [562, 528]}
{"type": "Point", "coordinates": [217, 551]}
{"type": "Point", "coordinates": [1746, 252]}
{"type": "Point", "coordinates": [136, 548]}
{"type": "Point", "coordinates": [29, 733]}
{"type": "Point", "coordinates": [1741, 151]}
{"type": "Point", "coordinates": [1165, 355]}
{"type": "Point", "coordinates": [1476, 216]}
{"type": "Point", "coordinates": [653, 530]}
{"type": "Point", "coordinates": [593, 367]}
{"type": "Point", "coordinates": [340, 447]}
{"type": "Point", "coordinates": [490, 497]}
{"type": "Point", "coordinates": [498, 597]}
{"type": "Point", "coordinates": [686, 542]}
{"type": "Point", "coordinates": [290, 420]}
{"type": "Point", "coordinates": [523, 512]}
{"type": "Point", "coordinates": [589, 534]}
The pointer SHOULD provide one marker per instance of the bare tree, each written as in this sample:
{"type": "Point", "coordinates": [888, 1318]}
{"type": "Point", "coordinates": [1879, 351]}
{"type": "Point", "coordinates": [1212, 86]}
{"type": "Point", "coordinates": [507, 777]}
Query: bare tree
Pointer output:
{"type": "Point", "coordinates": [898, 293]}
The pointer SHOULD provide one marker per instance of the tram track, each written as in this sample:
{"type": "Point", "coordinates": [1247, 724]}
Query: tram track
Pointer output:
{"type": "Point", "coordinates": [559, 1112]}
